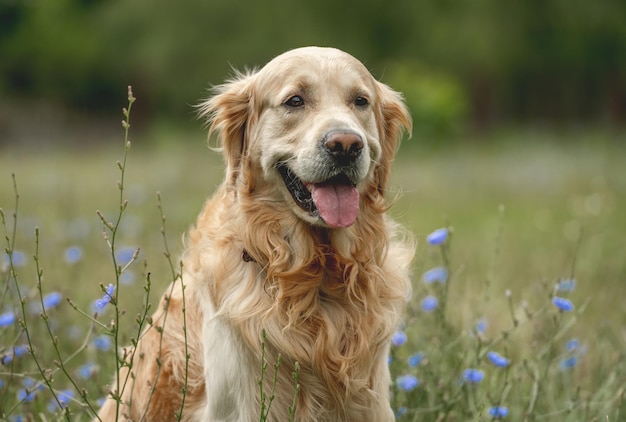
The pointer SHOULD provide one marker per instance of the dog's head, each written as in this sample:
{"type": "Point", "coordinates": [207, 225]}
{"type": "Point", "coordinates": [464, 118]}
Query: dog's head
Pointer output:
{"type": "Point", "coordinates": [313, 129]}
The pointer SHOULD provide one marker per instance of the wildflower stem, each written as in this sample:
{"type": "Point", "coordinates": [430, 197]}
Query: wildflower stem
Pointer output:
{"type": "Point", "coordinates": [263, 415]}
{"type": "Point", "coordinates": [295, 375]}
{"type": "Point", "coordinates": [167, 298]}
{"type": "Point", "coordinates": [113, 228]}
{"type": "Point", "coordinates": [46, 374]}
{"type": "Point", "coordinates": [22, 300]}
{"type": "Point", "coordinates": [15, 213]}
{"type": "Point", "coordinates": [441, 311]}
{"type": "Point", "coordinates": [274, 382]}
{"type": "Point", "coordinates": [534, 373]}
{"type": "Point", "coordinates": [94, 321]}
{"type": "Point", "coordinates": [160, 329]}
{"type": "Point", "coordinates": [265, 408]}
{"type": "Point", "coordinates": [11, 239]}
{"type": "Point", "coordinates": [187, 355]}
{"type": "Point", "coordinates": [509, 299]}
{"type": "Point", "coordinates": [176, 276]}
{"type": "Point", "coordinates": [60, 361]}
{"type": "Point", "coordinates": [496, 254]}
{"type": "Point", "coordinates": [6, 282]}
{"type": "Point", "coordinates": [506, 388]}
{"type": "Point", "coordinates": [579, 242]}
{"type": "Point", "coordinates": [141, 320]}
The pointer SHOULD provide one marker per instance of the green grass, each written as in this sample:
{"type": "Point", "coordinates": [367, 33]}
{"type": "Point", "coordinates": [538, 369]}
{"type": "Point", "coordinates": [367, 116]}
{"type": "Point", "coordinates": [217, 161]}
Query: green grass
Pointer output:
{"type": "Point", "coordinates": [524, 212]}
{"type": "Point", "coordinates": [552, 194]}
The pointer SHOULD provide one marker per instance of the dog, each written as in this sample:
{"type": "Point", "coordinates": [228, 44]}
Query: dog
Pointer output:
{"type": "Point", "coordinates": [296, 245]}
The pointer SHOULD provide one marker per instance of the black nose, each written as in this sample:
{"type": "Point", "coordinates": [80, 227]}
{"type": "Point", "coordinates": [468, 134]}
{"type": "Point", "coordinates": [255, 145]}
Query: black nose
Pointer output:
{"type": "Point", "coordinates": [344, 147]}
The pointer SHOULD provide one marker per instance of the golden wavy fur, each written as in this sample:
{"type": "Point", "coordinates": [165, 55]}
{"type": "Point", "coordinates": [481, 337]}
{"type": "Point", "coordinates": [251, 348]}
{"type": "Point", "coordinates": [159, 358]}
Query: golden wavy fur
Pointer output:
{"type": "Point", "coordinates": [273, 250]}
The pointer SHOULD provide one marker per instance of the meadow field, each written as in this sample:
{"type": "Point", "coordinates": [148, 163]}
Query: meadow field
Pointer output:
{"type": "Point", "coordinates": [530, 216]}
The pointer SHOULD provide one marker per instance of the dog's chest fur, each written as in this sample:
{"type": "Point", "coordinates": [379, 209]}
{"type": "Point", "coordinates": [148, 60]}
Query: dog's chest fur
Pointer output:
{"type": "Point", "coordinates": [329, 304]}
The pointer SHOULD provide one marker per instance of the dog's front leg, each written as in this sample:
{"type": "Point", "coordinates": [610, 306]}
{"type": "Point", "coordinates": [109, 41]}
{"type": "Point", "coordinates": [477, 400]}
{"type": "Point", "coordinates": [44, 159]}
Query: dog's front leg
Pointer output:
{"type": "Point", "coordinates": [230, 381]}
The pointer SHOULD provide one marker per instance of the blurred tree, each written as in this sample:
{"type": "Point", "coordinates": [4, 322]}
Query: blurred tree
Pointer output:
{"type": "Point", "coordinates": [437, 100]}
{"type": "Point", "coordinates": [54, 52]}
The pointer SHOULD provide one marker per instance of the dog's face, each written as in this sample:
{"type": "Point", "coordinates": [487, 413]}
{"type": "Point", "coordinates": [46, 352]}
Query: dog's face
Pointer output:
{"type": "Point", "coordinates": [317, 128]}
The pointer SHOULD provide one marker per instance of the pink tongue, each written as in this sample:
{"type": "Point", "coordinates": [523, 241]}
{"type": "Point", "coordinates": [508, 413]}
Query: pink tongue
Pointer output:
{"type": "Point", "coordinates": [338, 205]}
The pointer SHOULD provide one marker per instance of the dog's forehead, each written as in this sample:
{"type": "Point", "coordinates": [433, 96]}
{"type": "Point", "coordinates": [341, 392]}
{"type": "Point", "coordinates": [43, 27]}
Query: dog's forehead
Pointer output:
{"type": "Point", "coordinates": [320, 55]}
{"type": "Point", "coordinates": [315, 63]}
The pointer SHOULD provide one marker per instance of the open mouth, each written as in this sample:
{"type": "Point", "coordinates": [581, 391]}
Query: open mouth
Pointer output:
{"type": "Point", "coordinates": [335, 201]}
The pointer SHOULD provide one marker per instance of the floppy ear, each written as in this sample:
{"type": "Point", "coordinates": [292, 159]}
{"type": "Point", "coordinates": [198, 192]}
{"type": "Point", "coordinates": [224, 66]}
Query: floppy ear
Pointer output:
{"type": "Point", "coordinates": [228, 113]}
{"type": "Point", "coordinates": [393, 118]}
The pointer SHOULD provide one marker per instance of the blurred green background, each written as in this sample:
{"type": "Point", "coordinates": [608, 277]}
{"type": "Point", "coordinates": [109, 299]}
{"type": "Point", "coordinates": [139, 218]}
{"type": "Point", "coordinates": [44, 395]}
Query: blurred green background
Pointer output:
{"type": "Point", "coordinates": [518, 103]}
{"type": "Point", "coordinates": [463, 65]}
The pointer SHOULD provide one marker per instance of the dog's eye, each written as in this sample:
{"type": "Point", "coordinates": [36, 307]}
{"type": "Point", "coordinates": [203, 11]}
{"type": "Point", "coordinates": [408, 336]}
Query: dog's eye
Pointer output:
{"type": "Point", "coordinates": [361, 101]}
{"type": "Point", "coordinates": [295, 101]}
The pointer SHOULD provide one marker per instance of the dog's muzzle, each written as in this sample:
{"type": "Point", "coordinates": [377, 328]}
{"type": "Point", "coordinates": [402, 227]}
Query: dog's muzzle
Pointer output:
{"type": "Point", "coordinates": [332, 195]}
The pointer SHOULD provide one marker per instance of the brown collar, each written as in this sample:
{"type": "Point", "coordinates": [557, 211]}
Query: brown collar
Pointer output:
{"type": "Point", "coordinates": [246, 257]}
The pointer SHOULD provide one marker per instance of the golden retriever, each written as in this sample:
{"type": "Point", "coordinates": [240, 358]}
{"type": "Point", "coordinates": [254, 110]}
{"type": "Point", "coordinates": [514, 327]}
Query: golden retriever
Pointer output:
{"type": "Point", "coordinates": [295, 243]}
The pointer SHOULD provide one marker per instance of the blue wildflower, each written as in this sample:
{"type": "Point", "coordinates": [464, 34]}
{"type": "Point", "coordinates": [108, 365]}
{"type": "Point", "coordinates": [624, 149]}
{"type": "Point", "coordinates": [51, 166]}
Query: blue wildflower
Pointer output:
{"type": "Point", "coordinates": [25, 395]}
{"type": "Point", "coordinates": [88, 370]}
{"type": "Point", "coordinates": [102, 342]}
{"type": "Point", "coordinates": [497, 359]}
{"type": "Point", "coordinates": [52, 300]}
{"type": "Point", "coordinates": [19, 351]}
{"type": "Point", "coordinates": [125, 255]}
{"type": "Point", "coordinates": [73, 254]}
{"type": "Point", "coordinates": [481, 326]}
{"type": "Point", "coordinates": [6, 358]}
{"type": "Point", "coordinates": [401, 411]}
{"type": "Point", "coordinates": [30, 383]}
{"type": "Point", "coordinates": [498, 412]}
{"type": "Point", "coordinates": [64, 397]}
{"type": "Point", "coordinates": [6, 319]}
{"type": "Point", "coordinates": [563, 304]}
{"type": "Point", "coordinates": [415, 359]}
{"type": "Point", "coordinates": [18, 258]}
{"type": "Point", "coordinates": [398, 338]}
{"type": "Point", "coordinates": [28, 393]}
{"type": "Point", "coordinates": [568, 363]}
{"type": "Point", "coordinates": [127, 277]}
{"type": "Point", "coordinates": [437, 237]}
{"type": "Point", "coordinates": [14, 352]}
{"type": "Point", "coordinates": [439, 274]}
{"type": "Point", "coordinates": [407, 382]}
{"type": "Point", "coordinates": [473, 376]}
{"type": "Point", "coordinates": [430, 303]}
{"type": "Point", "coordinates": [106, 298]}
{"type": "Point", "coordinates": [567, 285]}
{"type": "Point", "coordinates": [572, 345]}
